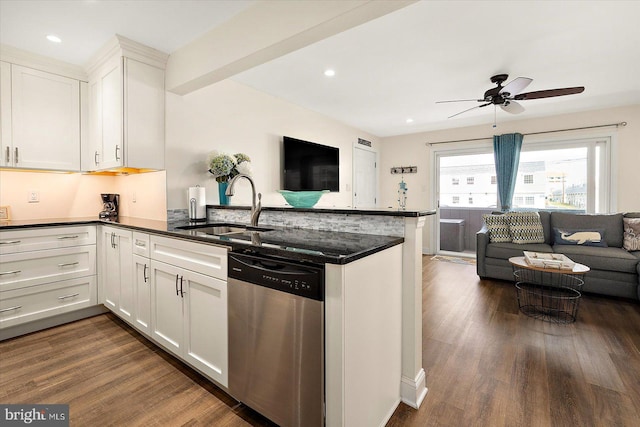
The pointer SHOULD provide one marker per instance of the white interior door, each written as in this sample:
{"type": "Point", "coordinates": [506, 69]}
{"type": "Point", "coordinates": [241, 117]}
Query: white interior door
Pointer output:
{"type": "Point", "coordinates": [364, 178]}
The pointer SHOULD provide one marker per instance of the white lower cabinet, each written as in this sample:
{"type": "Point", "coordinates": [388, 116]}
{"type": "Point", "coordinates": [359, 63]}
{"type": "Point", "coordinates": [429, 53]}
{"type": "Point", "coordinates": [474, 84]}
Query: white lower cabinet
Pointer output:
{"type": "Point", "coordinates": [141, 283]}
{"type": "Point", "coordinates": [117, 271]}
{"type": "Point", "coordinates": [189, 317]}
{"type": "Point", "coordinates": [45, 272]}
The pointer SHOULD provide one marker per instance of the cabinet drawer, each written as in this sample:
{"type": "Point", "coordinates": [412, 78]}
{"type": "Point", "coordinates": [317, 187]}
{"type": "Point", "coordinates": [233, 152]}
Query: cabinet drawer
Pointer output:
{"type": "Point", "coordinates": [34, 239]}
{"type": "Point", "coordinates": [141, 244]}
{"type": "Point", "coordinates": [37, 302]}
{"type": "Point", "coordinates": [206, 259]}
{"type": "Point", "coordinates": [34, 268]}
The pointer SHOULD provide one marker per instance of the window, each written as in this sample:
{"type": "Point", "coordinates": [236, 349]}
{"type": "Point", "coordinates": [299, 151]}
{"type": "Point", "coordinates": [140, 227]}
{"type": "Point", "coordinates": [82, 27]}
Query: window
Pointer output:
{"type": "Point", "coordinates": [456, 200]}
{"type": "Point", "coordinates": [529, 200]}
{"type": "Point", "coordinates": [566, 174]}
{"type": "Point", "coordinates": [470, 200]}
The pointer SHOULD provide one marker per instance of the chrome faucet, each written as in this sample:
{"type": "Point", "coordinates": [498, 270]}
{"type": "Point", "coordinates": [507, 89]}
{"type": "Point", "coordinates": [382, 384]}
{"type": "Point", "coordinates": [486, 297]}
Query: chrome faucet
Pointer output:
{"type": "Point", "coordinates": [255, 209]}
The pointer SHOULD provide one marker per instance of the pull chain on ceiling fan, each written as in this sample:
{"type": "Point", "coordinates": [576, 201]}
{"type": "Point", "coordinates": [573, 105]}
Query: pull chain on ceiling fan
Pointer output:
{"type": "Point", "coordinates": [506, 96]}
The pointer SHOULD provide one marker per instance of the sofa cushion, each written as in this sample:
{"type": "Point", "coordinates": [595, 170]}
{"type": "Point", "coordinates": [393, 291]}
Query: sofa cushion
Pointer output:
{"type": "Point", "coordinates": [631, 234]}
{"type": "Point", "coordinates": [566, 236]}
{"type": "Point", "coordinates": [611, 224]}
{"type": "Point", "coordinates": [498, 226]}
{"type": "Point", "coordinates": [545, 220]}
{"type": "Point", "coordinates": [607, 259]}
{"type": "Point", "coordinates": [525, 227]}
{"type": "Point", "coordinates": [508, 250]}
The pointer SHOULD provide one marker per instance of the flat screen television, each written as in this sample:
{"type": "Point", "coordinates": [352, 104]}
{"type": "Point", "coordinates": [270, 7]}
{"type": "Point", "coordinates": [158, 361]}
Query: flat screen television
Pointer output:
{"type": "Point", "coordinates": [309, 166]}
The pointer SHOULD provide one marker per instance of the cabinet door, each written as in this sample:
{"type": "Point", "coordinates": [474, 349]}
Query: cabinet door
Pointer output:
{"type": "Point", "coordinates": [126, 302]}
{"type": "Point", "coordinates": [6, 158]}
{"type": "Point", "coordinates": [143, 115]}
{"type": "Point", "coordinates": [205, 324]}
{"type": "Point", "coordinates": [117, 284]}
{"type": "Point", "coordinates": [111, 270]}
{"type": "Point", "coordinates": [111, 115]}
{"type": "Point", "coordinates": [166, 306]}
{"type": "Point", "coordinates": [142, 293]}
{"type": "Point", "coordinates": [45, 113]}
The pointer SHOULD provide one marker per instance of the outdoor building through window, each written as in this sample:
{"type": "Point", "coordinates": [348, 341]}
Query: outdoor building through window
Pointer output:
{"type": "Point", "coordinates": [573, 175]}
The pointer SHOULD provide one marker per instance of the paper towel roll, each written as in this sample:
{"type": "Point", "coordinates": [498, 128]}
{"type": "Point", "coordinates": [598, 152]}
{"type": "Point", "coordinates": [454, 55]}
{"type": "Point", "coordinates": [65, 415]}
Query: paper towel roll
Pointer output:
{"type": "Point", "coordinates": [197, 203]}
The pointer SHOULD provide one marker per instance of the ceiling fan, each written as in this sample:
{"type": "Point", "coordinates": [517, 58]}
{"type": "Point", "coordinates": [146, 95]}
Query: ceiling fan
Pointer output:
{"type": "Point", "coordinates": [506, 96]}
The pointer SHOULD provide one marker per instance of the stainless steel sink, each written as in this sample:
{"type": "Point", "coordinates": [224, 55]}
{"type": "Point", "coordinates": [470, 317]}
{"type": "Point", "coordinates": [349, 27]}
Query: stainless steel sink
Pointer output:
{"type": "Point", "coordinates": [223, 229]}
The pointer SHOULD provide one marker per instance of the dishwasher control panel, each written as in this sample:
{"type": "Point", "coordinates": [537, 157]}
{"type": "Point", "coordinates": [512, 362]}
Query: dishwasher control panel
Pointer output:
{"type": "Point", "coordinates": [295, 278]}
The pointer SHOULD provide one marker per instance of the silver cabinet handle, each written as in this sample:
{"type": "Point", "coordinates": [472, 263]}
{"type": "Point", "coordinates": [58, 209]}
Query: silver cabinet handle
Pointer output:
{"type": "Point", "coordinates": [15, 307]}
{"type": "Point", "coordinates": [15, 157]}
{"type": "Point", "coordinates": [144, 274]}
{"type": "Point", "coordinates": [69, 296]}
{"type": "Point", "coordinates": [69, 264]}
{"type": "Point", "coordinates": [117, 152]}
{"type": "Point", "coordinates": [8, 156]}
{"type": "Point", "coordinates": [10, 272]}
{"type": "Point", "coordinates": [95, 158]}
{"type": "Point", "coordinates": [177, 292]}
{"type": "Point", "coordinates": [141, 244]}
{"type": "Point", "coordinates": [181, 291]}
{"type": "Point", "coordinates": [10, 242]}
{"type": "Point", "coordinates": [67, 237]}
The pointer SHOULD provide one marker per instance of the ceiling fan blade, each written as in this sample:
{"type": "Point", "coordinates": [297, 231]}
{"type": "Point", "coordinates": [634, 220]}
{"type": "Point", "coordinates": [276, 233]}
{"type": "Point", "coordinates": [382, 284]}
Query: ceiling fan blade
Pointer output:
{"type": "Point", "coordinates": [550, 93]}
{"type": "Point", "coordinates": [512, 107]}
{"type": "Point", "coordinates": [469, 109]}
{"type": "Point", "coordinates": [516, 86]}
{"type": "Point", "coordinates": [460, 100]}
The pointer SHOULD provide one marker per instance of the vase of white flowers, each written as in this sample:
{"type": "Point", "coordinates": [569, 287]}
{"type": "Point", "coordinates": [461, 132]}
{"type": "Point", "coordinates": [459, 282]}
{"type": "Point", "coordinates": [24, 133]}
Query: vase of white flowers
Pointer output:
{"type": "Point", "coordinates": [224, 167]}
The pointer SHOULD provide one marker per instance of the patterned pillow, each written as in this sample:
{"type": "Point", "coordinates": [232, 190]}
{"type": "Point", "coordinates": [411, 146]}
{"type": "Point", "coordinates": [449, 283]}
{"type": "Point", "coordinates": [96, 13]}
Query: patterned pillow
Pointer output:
{"type": "Point", "coordinates": [583, 237]}
{"type": "Point", "coordinates": [525, 227]}
{"type": "Point", "coordinates": [631, 234]}
{"type": "Point", "coordinates": [498, 226]}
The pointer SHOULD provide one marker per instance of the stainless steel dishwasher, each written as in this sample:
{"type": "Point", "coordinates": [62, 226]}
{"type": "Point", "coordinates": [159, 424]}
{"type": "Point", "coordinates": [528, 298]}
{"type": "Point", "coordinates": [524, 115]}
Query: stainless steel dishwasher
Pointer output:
{"type": "Point", "coordinates": [276, 338]}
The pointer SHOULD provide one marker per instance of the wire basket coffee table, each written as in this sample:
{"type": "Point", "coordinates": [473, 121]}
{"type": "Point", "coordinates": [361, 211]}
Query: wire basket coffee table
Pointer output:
{"type": "Point", "coordinates": [549, 294]}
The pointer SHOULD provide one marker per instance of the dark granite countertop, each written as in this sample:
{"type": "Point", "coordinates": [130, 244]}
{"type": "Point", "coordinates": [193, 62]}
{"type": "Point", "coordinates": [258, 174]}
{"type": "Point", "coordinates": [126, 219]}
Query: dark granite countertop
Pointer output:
{"type": "Point", "coordinates": [378, 211]}
{"type": "Point", "coordinates": [291, 243]}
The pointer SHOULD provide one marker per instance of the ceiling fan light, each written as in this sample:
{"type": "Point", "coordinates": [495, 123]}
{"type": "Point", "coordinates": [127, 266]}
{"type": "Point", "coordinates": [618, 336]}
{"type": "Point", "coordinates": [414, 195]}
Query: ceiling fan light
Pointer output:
{"type": "Point", "coordinates": [54, 39]}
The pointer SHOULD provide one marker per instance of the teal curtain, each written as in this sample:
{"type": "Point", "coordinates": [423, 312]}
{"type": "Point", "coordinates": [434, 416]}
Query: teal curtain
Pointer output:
{"type": "Point", "coordinates": [506, 153]}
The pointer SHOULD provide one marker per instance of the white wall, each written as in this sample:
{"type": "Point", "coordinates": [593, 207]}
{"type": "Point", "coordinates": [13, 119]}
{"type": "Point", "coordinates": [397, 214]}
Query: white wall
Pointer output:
{"type": "Point", "coordinates": [74, 195]}
{"type": "Point", "coordinates": [412, 150]}
{"type": "Point", "coordinates": [231, 117]}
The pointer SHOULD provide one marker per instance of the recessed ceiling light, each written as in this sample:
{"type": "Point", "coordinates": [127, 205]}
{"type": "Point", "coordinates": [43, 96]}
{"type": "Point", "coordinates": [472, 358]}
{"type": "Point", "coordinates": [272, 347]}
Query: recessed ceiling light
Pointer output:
{"type": "Point", "coordinates": [54, 39]}
{"type": "Point", "coordinates": [409, 120]}
{"type": "Point", "coordinates": [329, 73]}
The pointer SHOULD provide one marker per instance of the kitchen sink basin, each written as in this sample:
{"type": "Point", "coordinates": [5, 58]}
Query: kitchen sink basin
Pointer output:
{"type": "Point", "coordinates": [223, 229]}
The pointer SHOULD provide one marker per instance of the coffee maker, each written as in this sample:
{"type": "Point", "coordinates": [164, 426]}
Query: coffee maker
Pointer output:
{"type": "Point", "coordinates": [110, 206]}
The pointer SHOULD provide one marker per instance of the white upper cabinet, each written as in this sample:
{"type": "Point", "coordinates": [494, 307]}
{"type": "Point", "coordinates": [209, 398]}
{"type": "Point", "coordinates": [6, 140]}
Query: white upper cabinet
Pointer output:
{"type": "Point", "coordinates": [6, 158]}
{"type": "Point", "coordinates": [126, 109]}
{"type": "Point", "coordinates": [40, 119]}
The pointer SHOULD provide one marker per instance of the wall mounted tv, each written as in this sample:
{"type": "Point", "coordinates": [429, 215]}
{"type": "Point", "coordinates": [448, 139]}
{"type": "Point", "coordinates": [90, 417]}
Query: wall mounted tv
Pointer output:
{"type": "Point", "coordinates": [309, 166]}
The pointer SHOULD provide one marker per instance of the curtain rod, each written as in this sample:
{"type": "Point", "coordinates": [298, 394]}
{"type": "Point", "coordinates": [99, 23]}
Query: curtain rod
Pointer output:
{"type": "Point", "coordinates": [623, 124]}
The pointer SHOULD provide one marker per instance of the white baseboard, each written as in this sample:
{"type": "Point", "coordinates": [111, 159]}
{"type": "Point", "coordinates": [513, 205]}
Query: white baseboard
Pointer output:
{"type": "Point", "coordinates": [413, 391]}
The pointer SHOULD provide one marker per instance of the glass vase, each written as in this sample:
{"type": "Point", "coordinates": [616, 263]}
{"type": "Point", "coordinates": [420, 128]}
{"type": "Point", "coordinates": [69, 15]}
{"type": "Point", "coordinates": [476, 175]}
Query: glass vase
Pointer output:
{"type": "Point", "coordinates": [222, 189]}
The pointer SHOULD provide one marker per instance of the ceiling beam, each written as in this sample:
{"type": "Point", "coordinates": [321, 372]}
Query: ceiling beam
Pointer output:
{"type": "Point", "coordinates": [265, 31]}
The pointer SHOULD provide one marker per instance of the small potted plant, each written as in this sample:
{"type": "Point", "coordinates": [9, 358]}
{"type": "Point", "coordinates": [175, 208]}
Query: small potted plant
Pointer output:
{"type": "Point", "coordinates": [224, 167]}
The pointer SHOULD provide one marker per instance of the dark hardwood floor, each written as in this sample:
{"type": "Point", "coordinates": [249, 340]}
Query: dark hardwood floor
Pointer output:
{"type": "Point", "coordinates": [486, 365]}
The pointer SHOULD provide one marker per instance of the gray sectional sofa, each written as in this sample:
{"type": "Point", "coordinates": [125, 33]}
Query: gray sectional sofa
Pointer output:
{"type": "Point", "coordinates": [614, 270]}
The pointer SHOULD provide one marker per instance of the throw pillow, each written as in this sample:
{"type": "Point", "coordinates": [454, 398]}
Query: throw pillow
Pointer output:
{"type": "Point", "coordinates": [564, 236]}
{"type": "Point", "coordinates": [525, 227]}
{"type": "Point", "coordinates": [498, 226]}
{"type": "Point", "coordinates": [631, 234]}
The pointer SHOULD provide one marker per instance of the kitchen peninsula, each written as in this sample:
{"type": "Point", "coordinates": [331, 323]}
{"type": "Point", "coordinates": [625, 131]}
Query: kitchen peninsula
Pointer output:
{"type": "Point", "coordinates": [371, 283]}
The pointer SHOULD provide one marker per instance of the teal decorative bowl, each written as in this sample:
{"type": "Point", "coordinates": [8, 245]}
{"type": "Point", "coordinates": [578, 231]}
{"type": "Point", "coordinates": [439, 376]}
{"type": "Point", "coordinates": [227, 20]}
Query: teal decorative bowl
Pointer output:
{"type": "Point", "coordinates": [302, 199]}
